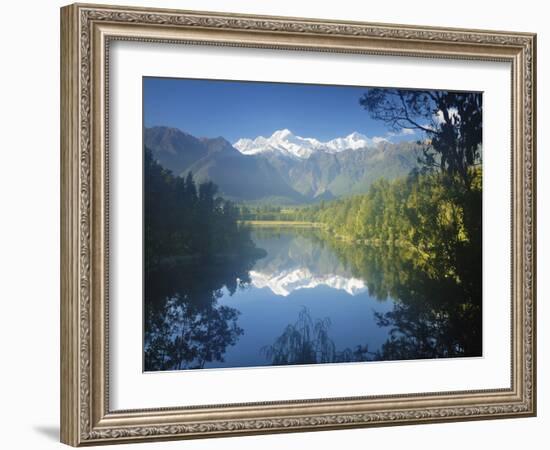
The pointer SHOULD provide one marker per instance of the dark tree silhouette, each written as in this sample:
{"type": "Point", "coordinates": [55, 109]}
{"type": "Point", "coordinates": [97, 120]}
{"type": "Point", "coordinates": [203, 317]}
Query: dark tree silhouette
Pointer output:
{"type": "Point", "coordinates": [187, 221]}
{"type": "Point", "coordinates": [452, 122]}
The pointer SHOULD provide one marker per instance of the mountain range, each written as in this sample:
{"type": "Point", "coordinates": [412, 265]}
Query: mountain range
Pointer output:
{"type": "Point", "coordinates": [284, 142]}
{"type": "Point", "coordinates": [284, 168]}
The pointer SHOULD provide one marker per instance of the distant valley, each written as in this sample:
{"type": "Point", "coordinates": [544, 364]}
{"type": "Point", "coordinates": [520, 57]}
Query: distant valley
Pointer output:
{"type": "Point", "coordinates": [282, 169]}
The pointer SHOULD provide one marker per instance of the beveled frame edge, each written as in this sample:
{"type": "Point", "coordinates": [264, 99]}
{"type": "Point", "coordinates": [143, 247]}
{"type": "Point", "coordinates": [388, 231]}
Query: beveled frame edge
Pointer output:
{"type": "Point", "coordinates": [86, 31]}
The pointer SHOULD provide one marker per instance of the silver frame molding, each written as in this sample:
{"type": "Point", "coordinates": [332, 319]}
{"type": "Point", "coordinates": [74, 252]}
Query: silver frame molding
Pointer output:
{"type": "Point", "coordinates": [86, 33]}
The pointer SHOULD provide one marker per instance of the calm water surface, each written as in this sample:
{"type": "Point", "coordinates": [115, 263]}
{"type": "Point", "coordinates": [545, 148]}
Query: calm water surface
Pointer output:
{"type": "Point", "coordinates": [308, 298]}
{"type": "Point", "coordinates": [300, 272]}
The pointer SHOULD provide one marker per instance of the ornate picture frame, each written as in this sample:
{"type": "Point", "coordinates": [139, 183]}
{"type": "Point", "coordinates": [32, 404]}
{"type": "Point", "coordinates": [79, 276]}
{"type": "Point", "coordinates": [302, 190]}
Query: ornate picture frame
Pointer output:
{"type": "Point", "coordinates": [87, 31]}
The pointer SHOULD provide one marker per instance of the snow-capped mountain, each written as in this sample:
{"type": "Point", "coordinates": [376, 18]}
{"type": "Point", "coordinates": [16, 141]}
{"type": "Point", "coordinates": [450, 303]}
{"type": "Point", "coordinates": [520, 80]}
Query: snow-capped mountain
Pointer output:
{"type": "Point", "coordinates": [352, 141]}
{"type": "Point", "coordinates": [288, 144]}
{"type": "Point", "coordinates": [287, 281]}
{"type": "Point", "coordinates": [283, 169]}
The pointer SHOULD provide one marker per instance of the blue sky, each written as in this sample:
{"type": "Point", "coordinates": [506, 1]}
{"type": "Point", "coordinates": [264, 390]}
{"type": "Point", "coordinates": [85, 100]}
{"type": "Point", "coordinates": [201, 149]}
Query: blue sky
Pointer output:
{"type": "Point", "coordinates": [234, 109]}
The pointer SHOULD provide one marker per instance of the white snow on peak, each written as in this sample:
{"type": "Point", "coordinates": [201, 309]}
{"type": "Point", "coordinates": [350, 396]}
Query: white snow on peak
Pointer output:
{"type": "Point", "coordinates": [353, 141]}
{"type": "Point", "coordinates": [288, 144]}
{"type": "Point", "coordinates": [282, 134]}
{"type": "Point", "coordinates": [286, 282]}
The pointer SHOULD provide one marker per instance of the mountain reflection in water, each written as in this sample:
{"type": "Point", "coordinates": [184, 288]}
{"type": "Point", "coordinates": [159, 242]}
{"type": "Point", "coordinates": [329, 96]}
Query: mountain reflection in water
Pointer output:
{"type": "Point", "coordinates": [311, 299]}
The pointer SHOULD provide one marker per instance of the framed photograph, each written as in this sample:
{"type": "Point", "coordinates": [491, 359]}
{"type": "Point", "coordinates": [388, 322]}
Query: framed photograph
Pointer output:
{"type": "Point", "coordinates": [277, 224]}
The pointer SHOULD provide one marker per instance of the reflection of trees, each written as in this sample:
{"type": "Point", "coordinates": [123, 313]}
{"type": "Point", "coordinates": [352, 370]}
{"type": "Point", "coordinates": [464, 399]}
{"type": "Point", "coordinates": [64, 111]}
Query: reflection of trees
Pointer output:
{"type": "Point", "coordinates": [296, 247]}
{"type": "Point", "coordinates": [185, 327]}
{"type": "Point", "coordinates": [186, 338]}
{"type": "Point", "coordinates": [304, 342]}
{"type": "Point", "coordinates": [437, 312]}
{"type": "Point", "coordinates": [307, 341]}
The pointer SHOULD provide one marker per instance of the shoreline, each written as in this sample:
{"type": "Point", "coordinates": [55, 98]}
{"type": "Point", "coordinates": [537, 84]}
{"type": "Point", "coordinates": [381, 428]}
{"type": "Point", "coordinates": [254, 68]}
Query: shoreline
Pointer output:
{"type": "Point", "coordinates": [397, 243]}
{"type": "Point", "coordinates": [280, 223]}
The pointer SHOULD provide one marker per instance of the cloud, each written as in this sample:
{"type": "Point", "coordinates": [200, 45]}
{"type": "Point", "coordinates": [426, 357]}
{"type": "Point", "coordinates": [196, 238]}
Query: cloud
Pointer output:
{"type": "Point", "coordinates": [378, 139]}
{"type": "Point", "coordinates": [391, 135]}
{"type": "Point", "coordinates": [401, 132]}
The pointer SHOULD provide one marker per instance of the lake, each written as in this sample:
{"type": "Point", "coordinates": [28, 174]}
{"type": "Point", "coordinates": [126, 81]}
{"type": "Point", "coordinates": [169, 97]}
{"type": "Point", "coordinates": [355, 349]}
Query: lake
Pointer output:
{"type": "Point", "coordinates": [299, 273]}
{"type": "Point", "coordinates": [309, 298]}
